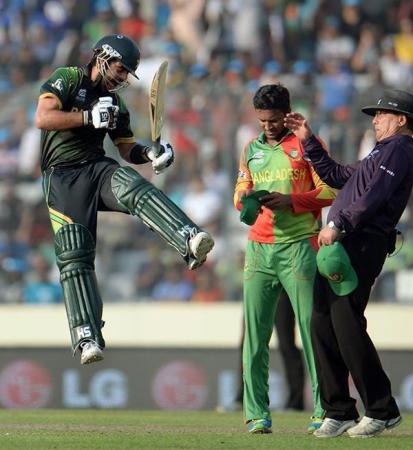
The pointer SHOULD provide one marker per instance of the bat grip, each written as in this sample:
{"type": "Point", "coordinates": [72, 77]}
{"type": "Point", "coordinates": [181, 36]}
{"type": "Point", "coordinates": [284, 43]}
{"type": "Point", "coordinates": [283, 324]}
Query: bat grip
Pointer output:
{"type": "Point", "coordinates": [156, 147]}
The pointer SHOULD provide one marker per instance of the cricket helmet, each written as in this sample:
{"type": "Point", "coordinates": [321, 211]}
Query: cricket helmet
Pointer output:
{"type": "Point", "coordinates": [116, 47]}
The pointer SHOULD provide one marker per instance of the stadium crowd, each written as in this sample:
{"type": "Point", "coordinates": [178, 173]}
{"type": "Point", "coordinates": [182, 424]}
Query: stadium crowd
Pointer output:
{"type": "Point", "coordinates": [333, 56]}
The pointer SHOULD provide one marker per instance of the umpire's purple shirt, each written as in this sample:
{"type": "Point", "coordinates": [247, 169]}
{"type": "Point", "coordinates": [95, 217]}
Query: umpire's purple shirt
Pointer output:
{"type": "Point", "coordinates": [375, 190]}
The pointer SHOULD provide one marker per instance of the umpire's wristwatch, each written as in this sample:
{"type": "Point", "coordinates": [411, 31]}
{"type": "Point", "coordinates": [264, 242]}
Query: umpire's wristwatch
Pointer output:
{"type": "Point", "coordinates": [333, 226]}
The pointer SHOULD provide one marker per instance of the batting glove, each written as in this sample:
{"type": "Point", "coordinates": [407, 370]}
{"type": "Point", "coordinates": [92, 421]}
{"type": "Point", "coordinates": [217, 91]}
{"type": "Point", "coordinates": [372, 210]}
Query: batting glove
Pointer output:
{"type": "Point", "coordinates": [163, 159]}
{"type": "Point", "coordinates": [103, 114]}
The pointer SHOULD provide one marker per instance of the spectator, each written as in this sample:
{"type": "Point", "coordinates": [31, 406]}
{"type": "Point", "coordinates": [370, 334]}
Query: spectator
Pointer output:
{"type": "Point", "coordinates": [202, 203]}
{"type": "Point", "coordinates": [207, 288]}
{"type": "Point", "coordinates": [39, 288]}
{"type": "Point", "coordinates": [393, 71]}
{"type": "Point", "coordinates": [173, 286]}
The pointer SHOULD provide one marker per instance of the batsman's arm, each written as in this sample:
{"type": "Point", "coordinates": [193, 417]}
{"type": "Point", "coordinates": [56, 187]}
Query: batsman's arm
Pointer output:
{"type": "Point", "coordinates": [134, 153]}
{"type": "Point", "coordinates": [140, 154]}
{"type": "Point", "coordinates": [49, 115]}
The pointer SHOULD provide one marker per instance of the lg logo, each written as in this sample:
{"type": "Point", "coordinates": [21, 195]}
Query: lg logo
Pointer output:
{"type": "Point", "coordinates": [106, 389]}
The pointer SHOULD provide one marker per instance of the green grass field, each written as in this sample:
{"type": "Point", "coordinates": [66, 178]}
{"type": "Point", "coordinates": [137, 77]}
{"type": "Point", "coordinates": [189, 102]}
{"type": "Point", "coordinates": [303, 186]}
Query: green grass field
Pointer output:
{"type": "Point", "coordinates": [102, 429]}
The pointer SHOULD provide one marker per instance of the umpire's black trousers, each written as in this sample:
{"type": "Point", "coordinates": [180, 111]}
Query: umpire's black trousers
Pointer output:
{"type": "Point", "coordinates": [341, 342]}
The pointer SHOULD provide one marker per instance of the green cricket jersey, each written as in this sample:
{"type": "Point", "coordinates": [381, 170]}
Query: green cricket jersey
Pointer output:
{"type": "Point", "coordinates": [282, 168]}
{"type": "Point", "coordinates": [75, 91]}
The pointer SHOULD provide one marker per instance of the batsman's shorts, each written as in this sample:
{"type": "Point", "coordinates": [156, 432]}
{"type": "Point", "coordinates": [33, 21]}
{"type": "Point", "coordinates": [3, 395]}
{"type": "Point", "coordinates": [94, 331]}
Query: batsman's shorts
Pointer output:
{"type": "Point", "coordinates": [76, 194]}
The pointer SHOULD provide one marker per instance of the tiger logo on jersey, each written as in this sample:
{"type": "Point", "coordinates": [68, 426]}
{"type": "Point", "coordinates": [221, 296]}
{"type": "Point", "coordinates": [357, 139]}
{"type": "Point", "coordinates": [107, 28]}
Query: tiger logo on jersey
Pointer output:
{"type": "Point", "coordinates": [294, 154]}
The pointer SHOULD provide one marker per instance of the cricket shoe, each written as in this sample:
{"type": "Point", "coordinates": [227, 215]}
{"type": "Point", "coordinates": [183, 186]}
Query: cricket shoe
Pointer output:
{"type": "Point", "coordinates": [200, 245]}
{"type": "Point", "coordinates": [331, 428]}
{"type": "Point", "coordinates": [369, 427]}
{"type": "Point", "coordinates": [91, 352]}
{"type": "Point", "coordinates": [315, 424]}
{"type": "Point", "coordinates": [259, 426]}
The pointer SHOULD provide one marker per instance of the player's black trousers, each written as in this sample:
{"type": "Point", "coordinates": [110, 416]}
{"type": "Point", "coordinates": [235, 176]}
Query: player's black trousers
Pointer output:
{"type": "Point", "coordinates": [340, 339]}
{"type": "Point", "coordinates": [290, 353]}
{"type": "Point", "coordinates": [82, 190]}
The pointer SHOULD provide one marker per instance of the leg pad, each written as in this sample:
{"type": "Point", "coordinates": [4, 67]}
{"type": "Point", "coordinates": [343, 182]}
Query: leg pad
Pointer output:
{"type": "Point", "coordinates": [75, 254]}
{"type": "Point", "coordinates": [154, 208]}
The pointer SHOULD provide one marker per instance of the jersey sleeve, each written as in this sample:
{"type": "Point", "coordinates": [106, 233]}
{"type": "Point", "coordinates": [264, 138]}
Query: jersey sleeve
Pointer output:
{"type": "Point", "coordinates": [123, 133]}
{"type": "Point", "coordinates": [322, 195]}
{"type": "Point", "coordinates": [333, 173]}
{"type": "Point", "coordinates": [244, 180]}
{"type": "Point", "coordinates": [60, 85]}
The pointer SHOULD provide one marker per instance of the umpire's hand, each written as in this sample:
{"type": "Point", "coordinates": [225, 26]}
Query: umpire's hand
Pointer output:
{"type": "Point", "coordinates": [327, 236]}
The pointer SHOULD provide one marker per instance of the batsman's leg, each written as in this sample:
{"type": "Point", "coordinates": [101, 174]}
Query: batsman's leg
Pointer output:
{"type": "Point", "coordinates": [75, 253]}
{"type": "Point", "coordinates": [158, 212]}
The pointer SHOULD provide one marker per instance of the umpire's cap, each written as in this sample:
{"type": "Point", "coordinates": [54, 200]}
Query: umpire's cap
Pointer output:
{"type": "Point", "coordinates": [392, 100]}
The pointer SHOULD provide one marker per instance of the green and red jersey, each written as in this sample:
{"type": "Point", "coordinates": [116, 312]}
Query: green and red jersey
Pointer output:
{"type": "Point", "coordinates": [75, 91]}
{"type": "Point", "coordinates": [282, 168]}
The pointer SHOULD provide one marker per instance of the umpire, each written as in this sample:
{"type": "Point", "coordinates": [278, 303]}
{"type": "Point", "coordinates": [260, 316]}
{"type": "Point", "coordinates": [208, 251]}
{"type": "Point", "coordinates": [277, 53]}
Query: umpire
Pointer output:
{"type": "Point", "coordinates": [77, 108]}
{"type": "Point", "coordinates": [374, 193]}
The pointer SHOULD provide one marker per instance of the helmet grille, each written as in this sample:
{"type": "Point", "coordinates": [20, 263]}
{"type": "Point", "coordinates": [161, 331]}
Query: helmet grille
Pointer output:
{"type": "Point", "coordinates": [103, 57]}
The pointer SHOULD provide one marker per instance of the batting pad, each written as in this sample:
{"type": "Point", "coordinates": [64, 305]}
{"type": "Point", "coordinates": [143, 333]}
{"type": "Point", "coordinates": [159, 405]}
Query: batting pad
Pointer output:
{"type": "Point", "coordinates": [154, 208]}
{"type": "Point", "coordinates": [75, 254]}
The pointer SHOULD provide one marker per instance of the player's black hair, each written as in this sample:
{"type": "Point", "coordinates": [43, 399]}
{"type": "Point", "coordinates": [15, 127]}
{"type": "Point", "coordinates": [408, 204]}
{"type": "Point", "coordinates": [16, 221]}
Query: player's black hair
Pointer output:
{"type": "Point", "coordinates": [272, 96]}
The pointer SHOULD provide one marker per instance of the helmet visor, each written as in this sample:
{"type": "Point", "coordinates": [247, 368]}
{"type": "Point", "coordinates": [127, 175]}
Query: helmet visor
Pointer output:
{"type": "Point", "coordinates": [112, 81]}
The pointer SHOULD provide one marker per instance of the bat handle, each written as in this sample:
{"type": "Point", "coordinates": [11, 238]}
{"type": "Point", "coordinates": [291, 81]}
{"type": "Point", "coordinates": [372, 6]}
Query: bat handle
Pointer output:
{"type": "Point", "coordinates": [156, 146]}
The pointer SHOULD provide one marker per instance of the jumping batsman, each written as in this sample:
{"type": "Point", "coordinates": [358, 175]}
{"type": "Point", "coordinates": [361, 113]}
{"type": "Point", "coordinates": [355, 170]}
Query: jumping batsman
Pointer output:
{"type": "Point", "coordinates": [281, 248]}
{"type": "Point", "coordinates": [77, 107]}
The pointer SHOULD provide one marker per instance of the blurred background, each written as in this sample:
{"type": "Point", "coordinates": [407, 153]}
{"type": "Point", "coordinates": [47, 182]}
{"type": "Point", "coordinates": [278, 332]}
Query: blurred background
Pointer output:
{"type": "Point", "coordinates": [334, 56]}
{"type": "Point", "coordinates": [173, 335]}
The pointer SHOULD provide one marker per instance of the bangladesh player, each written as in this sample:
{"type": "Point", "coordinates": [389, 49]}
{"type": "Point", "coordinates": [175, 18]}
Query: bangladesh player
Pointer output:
{"type": "Point", "coordinates": [281, 248]}
{"type": "Point", "coordinates": [77, 108]}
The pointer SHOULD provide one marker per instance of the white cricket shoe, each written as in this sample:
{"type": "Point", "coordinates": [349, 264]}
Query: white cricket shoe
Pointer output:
{"type": "Point", "coordinates": [199, 245]}
{"type": "Point", "coordinates": [369, 427]}
{"type": "Point", "coordinates": [331, 428]}
{"type": "Point", "coordinates": [91, 352]}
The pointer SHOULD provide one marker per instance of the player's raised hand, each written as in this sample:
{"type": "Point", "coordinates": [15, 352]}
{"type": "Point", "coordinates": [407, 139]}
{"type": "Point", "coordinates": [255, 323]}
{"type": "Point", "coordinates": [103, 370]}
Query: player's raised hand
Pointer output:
{"type": "Point", "coordinates": [103, 114]}
{"type": "Point", "coordinates": [298, 124]}
{"type": "Point", "coordinates": [163, 159]}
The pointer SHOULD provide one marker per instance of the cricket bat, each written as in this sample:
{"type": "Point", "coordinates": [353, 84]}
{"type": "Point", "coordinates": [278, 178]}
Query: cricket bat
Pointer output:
{"type": "Point", "coordinates": [157, 104]}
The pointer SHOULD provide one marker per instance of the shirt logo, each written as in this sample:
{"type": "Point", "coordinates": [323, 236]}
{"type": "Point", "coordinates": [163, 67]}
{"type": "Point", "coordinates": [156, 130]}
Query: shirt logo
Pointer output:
{"type": "Point", "coordinates": [58, 84]}
{"type": "Point", "coordinates": [390, 172]}
{"type": "Point", "coordinates": [294, 153]}
{"type": "Point", "coordinates": [241, 174]}
{"type": "Point", "coordinates": [81, 95]}
{"type": "Point", "coordinates": [257, 157]}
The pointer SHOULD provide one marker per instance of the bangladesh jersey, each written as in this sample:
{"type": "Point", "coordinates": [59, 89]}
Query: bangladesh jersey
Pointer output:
{"type": "Point", "coordinates": [75, 91]}
{"type": "Point", "coordinates": [283, 169]}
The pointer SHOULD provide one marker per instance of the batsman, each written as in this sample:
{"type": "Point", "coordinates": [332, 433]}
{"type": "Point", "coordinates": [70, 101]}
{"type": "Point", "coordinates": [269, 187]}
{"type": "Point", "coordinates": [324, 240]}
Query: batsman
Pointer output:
{"type": "Point", "coordinates": [77, 108]}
